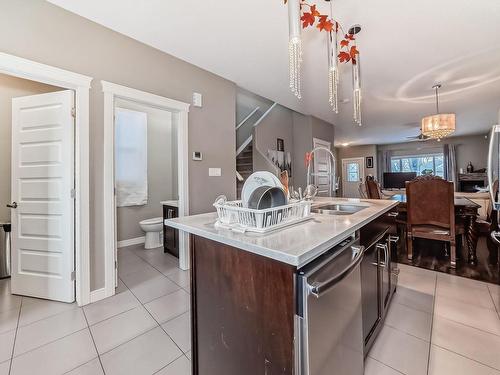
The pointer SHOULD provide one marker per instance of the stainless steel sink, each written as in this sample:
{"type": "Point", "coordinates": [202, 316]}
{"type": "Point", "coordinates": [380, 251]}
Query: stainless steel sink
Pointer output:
{"type": "Point", "coordinates": [337, 209]}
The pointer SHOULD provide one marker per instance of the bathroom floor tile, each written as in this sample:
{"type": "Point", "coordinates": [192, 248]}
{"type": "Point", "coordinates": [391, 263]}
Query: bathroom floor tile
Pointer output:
{"type": "Point", "coordinates": [57, 357]}
{"type": "Point", "coordinates": [469, 342]}
{"type": "Point", "coordinates": [34, 309]}
{"type": "Point", "coordinates": [406, 319]}
{"type": "Point", "coordinates": [10, 302]}
{"type": "Point", "coordinates": [181, 366]}
{"type": "Point", "coordinates": [146, 354]}
{"type": "Point", "coordinates": [90, 368]}
{"type": "Point", "coordinates": [6, 345]}
{"type": "Point", "coordinates": [8, 320]}
{"type": "Point", "coordinates": [414, 299]}
{"type": "Point", "coordinates": [373, 367]}
{"type": "Point", "coordinates": [468, 314]}
{"type": "Point", "coordinates": [401, 351]}
{"type": "Point", "coordinates": [152, 288]}
{"type": "Point", "coordinates": [44, 331]}
{"type": "Point", "coordinates": [179, 330]}
{"type": "Point", "coordinates": [109, 307]}
{"type": "Point", "coordinates": [181, 278]}
{"type": "Point", "coordinates": [444, 362]}
{"type": "Point", "coordinates": [169, 306]}
{"type": "Point", "coordinates": [475, 296]}
{"type": "Point", "coordinates": [4, 368]}
{"type": "Point", "coordinates": [121, 328]}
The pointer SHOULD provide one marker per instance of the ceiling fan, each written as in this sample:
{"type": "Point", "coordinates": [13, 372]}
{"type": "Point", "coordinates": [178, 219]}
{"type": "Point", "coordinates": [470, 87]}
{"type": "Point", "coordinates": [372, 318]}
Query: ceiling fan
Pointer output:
{"type": "Point", "coordinates": [419, 138]}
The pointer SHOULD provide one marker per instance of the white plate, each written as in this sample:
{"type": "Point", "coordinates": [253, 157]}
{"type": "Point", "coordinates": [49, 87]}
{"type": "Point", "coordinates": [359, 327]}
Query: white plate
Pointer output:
{"type": "Point", "coordinates": [254, 181]}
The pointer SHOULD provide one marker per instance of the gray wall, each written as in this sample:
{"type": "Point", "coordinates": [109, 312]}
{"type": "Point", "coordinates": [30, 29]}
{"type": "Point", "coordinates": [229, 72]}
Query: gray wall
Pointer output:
{"type": "Point", "coordinates": [12, 87]}
{"type": "Point", "coordinates": [42, 32]}
{"type": "Point", "coordinates": [162, 162]}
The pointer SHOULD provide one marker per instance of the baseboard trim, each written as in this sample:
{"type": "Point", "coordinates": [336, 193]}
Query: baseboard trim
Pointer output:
{"type": "Point", "coordinates": [131, 241]}
{"type": "Point", "coordinates": [97, 295]}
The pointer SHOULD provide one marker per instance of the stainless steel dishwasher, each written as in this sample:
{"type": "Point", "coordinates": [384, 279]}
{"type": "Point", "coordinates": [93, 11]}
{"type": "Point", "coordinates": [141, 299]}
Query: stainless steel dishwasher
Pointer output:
{"type": "Point", "coordinates": [329, 332]}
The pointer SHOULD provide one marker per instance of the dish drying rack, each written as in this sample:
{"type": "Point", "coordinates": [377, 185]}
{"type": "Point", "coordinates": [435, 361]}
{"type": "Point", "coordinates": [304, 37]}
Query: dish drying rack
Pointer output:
{"type": "Point", "coordinates": [232, 215]}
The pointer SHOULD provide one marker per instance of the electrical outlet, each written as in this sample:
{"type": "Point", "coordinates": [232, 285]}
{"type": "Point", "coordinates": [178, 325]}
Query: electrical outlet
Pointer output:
{"type": "Point", "coordinates": [197, 99]}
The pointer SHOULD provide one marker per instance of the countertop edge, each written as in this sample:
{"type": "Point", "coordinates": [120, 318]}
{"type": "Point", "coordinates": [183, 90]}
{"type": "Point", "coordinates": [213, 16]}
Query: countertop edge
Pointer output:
{"type": "Point", "coordinates": [296, 261]}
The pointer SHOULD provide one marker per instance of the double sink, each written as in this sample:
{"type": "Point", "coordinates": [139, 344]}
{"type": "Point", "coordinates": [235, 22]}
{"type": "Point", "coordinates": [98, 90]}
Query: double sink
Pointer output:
{"type": "Point", "coordinates": [337, 209]}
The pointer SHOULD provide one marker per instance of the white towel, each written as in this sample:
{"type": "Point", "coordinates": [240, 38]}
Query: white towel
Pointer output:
{"type": "Point", "coordinates": [131, 157]}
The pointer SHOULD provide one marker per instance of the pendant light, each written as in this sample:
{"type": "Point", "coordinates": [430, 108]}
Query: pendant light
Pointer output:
{"type": "Point", "coordinates": [439, 125]}
{"type": "Point", "coordinates": [294, 46]}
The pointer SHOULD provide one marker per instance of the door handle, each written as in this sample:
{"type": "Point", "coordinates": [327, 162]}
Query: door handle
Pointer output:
{"type": "Point", "coordinates": [386, 253]}
{"type": "Point", "coordinates": [12, 205]}
{"type": "Point", "coordinates": [392, 214]}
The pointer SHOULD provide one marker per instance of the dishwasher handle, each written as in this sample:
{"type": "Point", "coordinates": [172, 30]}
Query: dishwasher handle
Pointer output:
{"type": "Point", "coordinates": [319, 289]}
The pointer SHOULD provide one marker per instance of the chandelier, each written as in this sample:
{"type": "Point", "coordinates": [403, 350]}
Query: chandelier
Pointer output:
{"type": "Point", "coordinates": [302, 14]}
{"type": "Point", "coordinates": [439, 125]}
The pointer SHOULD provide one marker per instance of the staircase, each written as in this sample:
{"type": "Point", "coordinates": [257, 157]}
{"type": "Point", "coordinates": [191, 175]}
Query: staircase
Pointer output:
{"type": "Point", "coordinates": [244, 166]}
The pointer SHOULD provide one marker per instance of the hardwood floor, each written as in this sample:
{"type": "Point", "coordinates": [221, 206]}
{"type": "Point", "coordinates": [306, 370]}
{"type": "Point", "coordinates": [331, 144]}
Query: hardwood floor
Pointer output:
{"type": "Point", "coordinates": [431, 255]}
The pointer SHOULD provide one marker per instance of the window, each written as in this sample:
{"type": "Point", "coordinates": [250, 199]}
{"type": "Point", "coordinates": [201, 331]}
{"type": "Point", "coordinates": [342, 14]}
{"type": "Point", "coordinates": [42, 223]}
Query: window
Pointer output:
{"type": "Point", "coordinates": [422, 164]}
{"type": "Point", "coordinates": [131, 157]}
{"type": "Point", "coordinates": [352, 172]}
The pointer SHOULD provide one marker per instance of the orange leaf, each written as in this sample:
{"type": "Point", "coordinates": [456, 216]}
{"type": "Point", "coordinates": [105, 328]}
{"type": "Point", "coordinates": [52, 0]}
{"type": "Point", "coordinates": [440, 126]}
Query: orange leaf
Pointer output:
{"type": "Point", "coordinates": [313, 11]}
{"type": "Point", "coordinates": [344, 43]}
{"type": "Point", "coordinates": [349, 36]}
{"type": "Point", "coordinates": [307, 19]}
{"type": "Point", "coordinates": [325, 24]}
{"type": "Point", "coordinates": [353, 52]}
{"type": "Point", "coordinates": [344, 57]}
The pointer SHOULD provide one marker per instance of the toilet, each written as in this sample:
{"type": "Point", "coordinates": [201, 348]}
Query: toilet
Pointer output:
{"type": "Point", "coordinates": [154, 232]}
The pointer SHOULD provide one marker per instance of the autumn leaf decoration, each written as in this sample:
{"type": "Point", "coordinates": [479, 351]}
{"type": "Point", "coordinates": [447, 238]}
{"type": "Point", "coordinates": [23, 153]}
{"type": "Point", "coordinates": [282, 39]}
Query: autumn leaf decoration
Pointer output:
{"type": "Point", "coordinates": [311, 16]}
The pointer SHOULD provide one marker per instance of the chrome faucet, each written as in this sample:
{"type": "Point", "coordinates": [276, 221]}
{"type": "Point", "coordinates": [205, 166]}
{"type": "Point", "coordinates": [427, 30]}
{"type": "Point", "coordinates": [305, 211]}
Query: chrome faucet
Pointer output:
{"type": "Point", "coordinates": [330, 173]}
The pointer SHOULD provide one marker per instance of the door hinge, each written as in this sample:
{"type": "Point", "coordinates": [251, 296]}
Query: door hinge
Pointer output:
{"type": "Point", "coordinates": [116, 265]}
{"type": "Point", "coordinates": [73, 112]}
{"type": "Point", "coordinates": [73, 193]}
{"type": "Point", "coordinates": [73, 276]}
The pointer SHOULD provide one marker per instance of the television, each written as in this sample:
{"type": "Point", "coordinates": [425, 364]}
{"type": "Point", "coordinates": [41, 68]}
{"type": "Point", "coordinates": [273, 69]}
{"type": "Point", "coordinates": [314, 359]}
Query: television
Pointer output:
{"type": "Point", "coordinates": [397, 180]}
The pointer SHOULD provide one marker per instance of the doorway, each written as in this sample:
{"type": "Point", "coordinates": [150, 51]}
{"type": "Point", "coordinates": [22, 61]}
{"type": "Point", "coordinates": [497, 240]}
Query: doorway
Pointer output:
{"type": "Point", "coordinates": [49, 147]}
{"type": "Point", "coordinates": [138, 104]}
{"type": "Point", "coordinates": [353, 173]}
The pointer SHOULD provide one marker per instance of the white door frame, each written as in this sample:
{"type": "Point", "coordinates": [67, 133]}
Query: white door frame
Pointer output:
{"type": "Point", "coordinates": [180, 112]}
{"type": "Point", "coordinates": [19, 67]}
{"type": "Point", "coordinates": [361, 161]}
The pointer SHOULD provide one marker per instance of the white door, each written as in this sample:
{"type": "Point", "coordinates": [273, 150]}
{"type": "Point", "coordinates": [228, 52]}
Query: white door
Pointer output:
{"type": "Point", "coordinates": [42, 186]}
{"type": "Point", "coordinates": [322, 164]}
{"type": "Point", "coordinates": [353, 173]}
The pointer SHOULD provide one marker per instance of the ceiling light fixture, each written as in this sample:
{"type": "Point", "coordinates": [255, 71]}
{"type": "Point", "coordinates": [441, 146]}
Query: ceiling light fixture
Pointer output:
{"type": "Point", "coordinates": [439, 125]}
{"type": "Point", "coordinates": [300, 11]}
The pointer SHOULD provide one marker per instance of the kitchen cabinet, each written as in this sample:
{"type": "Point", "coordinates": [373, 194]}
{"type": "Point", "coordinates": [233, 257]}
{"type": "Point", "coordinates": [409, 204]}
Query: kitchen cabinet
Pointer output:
{"type": "Point", "coordinates": [170, 235]}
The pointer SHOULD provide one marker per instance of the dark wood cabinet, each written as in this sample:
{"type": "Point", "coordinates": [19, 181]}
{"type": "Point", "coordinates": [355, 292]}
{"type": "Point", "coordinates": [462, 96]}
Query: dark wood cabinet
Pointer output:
{"type": "Point", "coordinates": [170, 235]}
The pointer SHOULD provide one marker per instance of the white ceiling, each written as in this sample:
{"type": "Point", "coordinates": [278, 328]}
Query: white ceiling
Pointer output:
{"type": "Point", "coordinates": [406, 46]}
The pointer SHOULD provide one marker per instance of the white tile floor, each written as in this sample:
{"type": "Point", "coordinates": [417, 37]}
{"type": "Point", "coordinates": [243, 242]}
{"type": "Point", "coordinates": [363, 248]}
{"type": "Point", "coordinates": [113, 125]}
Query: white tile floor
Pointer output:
{"type": "Point", "coordinates": [437, 325]}
{"type": "Point", "coordinates": [143, 329]}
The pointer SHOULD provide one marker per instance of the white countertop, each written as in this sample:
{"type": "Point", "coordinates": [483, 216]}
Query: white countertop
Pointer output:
{"type": "Point", "coordinates": [296, 245]}
{"type": "Point", "coordinates": [172, 203]}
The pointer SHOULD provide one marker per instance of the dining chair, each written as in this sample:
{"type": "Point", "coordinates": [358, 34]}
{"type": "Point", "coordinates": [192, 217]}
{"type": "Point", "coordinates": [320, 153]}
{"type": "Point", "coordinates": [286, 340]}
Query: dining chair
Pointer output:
{"type": "Point", "coordinates": [431, 213]}
{"type": "Point", "coordinates": [373, 190]}
{"type": "Point", "coordinates": [488, 225]}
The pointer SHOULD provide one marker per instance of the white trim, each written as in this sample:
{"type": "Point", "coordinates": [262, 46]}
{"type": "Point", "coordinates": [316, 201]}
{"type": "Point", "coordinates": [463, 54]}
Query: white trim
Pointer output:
{"type": "Point", "coordinates": [244, 145]}
{"type": "Point", "coordinates": [180, 118]}
{"type": "Point", "coordinates": [131, 241]}
{"type": "Point", "coordinates": [27, 69]}
{"type": "Point", "coordinates": [97, 295]}
{"type": "Point", "coordinates": [264, 115]}
{"type": "Point", "coordinates": [246, 118]}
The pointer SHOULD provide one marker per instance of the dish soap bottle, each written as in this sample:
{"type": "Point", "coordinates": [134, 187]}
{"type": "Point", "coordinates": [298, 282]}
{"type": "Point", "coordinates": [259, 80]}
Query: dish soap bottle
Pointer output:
{"type": "Point", "coordinates": [470, 168]}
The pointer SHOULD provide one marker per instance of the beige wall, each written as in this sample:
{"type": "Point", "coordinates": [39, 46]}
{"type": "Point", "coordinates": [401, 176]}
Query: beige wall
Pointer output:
{"type": "Point", "coordinates": [37, 30]}
{"type": "Point", "coordinates": [12, 87]}
{"type": "Point", "coordinates": [162, 163]}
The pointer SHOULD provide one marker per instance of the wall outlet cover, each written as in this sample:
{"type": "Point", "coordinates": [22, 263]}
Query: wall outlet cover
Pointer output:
{"type": "Point", "coordinates": [197, 99]}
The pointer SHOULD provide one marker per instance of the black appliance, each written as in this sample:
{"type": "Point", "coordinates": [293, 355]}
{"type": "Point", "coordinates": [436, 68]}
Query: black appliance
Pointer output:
{"type": "Point", "coordinates": [397, 180]}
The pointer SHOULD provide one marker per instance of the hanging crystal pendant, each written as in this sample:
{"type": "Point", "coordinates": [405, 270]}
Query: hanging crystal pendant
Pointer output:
{"type": "Point", "coordinates": [356, 85]}
{"type": "Point", "coordinates": [294, 46]}
{"type": "Point", "coordinates": [333, 71]}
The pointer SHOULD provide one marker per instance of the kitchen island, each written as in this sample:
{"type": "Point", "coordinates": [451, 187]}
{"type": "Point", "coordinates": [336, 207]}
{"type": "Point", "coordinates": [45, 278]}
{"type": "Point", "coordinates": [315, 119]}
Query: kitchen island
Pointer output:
{"type": "Point", "coordinates": [244, 286]}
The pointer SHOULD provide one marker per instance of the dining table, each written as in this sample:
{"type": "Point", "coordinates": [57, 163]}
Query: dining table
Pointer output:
{"type": "Point", "coordinates": [465, 209]}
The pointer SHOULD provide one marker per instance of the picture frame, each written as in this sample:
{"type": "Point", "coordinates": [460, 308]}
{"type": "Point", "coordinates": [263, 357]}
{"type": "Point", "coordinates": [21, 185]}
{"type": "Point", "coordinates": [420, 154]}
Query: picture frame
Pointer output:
{"type": "Point", "coordinates": [280, 145]}
{"type": "Point", "coordinates": [369, 161]}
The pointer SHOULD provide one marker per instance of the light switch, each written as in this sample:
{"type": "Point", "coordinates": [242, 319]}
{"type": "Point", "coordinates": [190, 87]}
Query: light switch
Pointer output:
{"type": "Point", "coordinates": [214, 172]}
{"type": "Point", "coordinates": [197, 156]}
{"type": "Point", "coordinates": [197, 99]}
